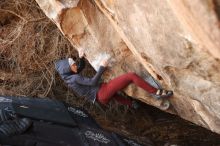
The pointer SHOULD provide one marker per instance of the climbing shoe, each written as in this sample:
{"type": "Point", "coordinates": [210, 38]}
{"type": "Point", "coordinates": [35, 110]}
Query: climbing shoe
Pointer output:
{"type": "Point", "coordinates": [14, 127]}
{"type": "Point", "coordinates": [161, 93]}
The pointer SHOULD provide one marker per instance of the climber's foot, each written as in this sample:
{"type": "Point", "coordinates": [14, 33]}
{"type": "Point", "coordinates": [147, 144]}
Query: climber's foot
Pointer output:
{"type": "Point", "coordinates": [162, 93]}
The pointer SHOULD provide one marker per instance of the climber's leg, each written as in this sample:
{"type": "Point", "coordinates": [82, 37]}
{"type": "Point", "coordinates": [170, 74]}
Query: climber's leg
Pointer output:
{"type": "Point", "coordinates": [161, 93]}
{"type": "Point", "coordinates": [109, 89]}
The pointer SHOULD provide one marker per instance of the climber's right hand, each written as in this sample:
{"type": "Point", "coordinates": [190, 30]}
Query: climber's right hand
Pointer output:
{"type": "Point", "coordinates": [105, 62]}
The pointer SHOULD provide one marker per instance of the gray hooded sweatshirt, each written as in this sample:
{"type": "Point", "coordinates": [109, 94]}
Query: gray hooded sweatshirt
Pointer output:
{"type": "Point", "coordinates": [83, 86]}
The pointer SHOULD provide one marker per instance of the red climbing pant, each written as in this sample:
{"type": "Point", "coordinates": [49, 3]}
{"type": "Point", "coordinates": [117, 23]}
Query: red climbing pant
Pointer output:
{"type": "Point", "coordinates": [109, 90]}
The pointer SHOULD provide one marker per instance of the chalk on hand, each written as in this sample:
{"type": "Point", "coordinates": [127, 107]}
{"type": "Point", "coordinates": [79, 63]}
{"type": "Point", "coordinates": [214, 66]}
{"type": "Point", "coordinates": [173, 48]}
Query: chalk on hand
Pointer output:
{"type": "Point", "coordinates": [102, 56]}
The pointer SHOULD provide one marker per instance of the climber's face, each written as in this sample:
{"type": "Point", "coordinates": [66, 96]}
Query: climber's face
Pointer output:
{"type": "Point", "coordinates": [74, 68]}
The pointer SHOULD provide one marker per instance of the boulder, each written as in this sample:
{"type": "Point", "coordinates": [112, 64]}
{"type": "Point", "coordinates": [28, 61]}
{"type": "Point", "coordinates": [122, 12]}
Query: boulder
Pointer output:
{"type": "Point", "coordinates": [176, 42]}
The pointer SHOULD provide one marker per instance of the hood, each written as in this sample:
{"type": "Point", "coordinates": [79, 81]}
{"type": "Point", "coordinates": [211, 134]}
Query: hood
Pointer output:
{"type": "Point", "coordinates": [63, 68]}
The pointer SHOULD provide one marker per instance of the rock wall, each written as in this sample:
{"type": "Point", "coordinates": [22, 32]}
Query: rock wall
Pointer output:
{"type": "Point", "coordinates": [177, 42]}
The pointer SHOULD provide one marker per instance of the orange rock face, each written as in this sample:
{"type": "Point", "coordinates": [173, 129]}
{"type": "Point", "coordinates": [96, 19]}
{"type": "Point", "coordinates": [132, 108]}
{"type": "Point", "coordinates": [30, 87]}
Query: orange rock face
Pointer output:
{"type": "Point", "coordinates": [177, 42]}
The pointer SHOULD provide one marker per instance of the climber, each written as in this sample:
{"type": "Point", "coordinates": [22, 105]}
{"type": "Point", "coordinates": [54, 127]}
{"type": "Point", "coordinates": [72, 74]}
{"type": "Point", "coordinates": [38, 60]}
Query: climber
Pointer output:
{"type": "Point", "coordinates": [90, 88]}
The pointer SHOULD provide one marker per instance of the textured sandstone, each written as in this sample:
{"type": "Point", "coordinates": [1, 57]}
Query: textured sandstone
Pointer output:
{"type": "Point", "coordinates": [176, 41]}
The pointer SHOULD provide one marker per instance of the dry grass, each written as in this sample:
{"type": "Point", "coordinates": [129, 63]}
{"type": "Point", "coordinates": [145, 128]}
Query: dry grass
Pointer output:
{"type": "Point", "coordinates": [29, 45]}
